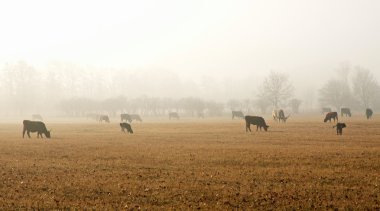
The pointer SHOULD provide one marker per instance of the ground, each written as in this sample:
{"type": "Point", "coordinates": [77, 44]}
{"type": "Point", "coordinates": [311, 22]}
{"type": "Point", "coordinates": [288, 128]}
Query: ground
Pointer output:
{"type": "Point", "coordinates": [192, 164]}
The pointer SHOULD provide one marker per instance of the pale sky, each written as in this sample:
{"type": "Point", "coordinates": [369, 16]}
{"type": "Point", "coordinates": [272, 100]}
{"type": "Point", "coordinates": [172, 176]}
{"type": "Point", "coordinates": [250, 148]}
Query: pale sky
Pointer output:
{"type": "Point", "coordinates": [195, 37]}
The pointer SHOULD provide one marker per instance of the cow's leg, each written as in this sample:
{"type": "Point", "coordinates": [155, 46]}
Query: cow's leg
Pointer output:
{"type": "Point", "coordinates": [23, 132]}
{"type": "Point", "coordinates": [247, 127]}
{"type": "Point", "coordinates": [27, 132]}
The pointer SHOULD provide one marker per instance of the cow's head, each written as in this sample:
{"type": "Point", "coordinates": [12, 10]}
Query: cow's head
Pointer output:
{"type": "Point", "coordinates": [47, 134]}
{"type": "Point", "coordinates": [286, 118]}
{"type": "Point", "coordinates": [266, 127]}
{"type": "Point", "coordinates": [130, 130]}
{"type": "Point", "coordinates": [325, 120]}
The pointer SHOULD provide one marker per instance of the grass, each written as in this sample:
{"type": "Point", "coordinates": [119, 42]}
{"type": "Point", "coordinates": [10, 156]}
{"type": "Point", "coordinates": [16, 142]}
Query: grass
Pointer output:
{"type": "Point", "coordinates": [193, 164]}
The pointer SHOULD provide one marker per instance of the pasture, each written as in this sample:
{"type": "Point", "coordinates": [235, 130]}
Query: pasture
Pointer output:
{"type": "Point", "coordinates": [193, 164]}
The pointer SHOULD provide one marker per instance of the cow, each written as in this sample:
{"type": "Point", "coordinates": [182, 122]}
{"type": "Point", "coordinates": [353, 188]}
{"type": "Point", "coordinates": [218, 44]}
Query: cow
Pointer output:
{"type": "Point", "coordinates": [326, 110]}
{"type": "Point", "coordinates": [135, 117]}
{"type": "Point", "coordinates": [345, 111]}
{"type": "Point", "coordinates": [104, 118]}
{"type": "Point", "coordinates": [279, 115]}
{"type": "Point", "coordinates": [339, 128]}
{"type": "Point", "coordinates": [255, 120]}
{"type": "Point", "coordinates": [237, 114]}
{"type": "Point", "coordinates": [368, 113]}
{"type": "Point", "coordinates": [37, 117]}
{"type": "Point", "coordinates": [125, 117]}
{"type": "Point", "coordinates": [35, 126]}
{"type": "Point", "coordinates": [173, 115]}
{"type": "Point", "coordinates": [331, 115]}
{"type": "Point", "coordinates": [126, 126]}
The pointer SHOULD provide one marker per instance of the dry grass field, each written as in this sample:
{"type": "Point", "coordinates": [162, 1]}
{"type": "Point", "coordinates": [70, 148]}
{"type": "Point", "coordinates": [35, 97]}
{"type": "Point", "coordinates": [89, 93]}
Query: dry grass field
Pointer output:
{"type": "Point", "coordinates": [193, 164]}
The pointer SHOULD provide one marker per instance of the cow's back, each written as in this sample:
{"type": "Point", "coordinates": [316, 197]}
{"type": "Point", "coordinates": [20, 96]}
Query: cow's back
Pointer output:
{"type": "Point", "coordinates": [255, 120]}
{"type": "Point", "coordinates": [34, 126]}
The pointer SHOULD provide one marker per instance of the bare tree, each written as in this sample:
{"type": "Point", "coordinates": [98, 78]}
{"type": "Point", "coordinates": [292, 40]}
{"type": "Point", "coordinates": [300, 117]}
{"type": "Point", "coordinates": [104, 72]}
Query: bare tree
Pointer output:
{"type": "Point", "coordinates": [295, 104]}
{"type": "Point", "coordinates": [277, 89]}
{"type": "Point", "coordinates": [234, 104]}
{"type": "Point", "coordinates": [343, 71]}
{"type": "Point", "coordinates": [262, 104]}
{"type": "Point", "coordinates": [334, 93]}
{"type": "Point", "coordinates": [365, 86]}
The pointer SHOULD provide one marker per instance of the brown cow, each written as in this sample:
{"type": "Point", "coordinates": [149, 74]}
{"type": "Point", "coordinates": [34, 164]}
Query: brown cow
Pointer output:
{"type": "Point", "coordinates": [331, 115]}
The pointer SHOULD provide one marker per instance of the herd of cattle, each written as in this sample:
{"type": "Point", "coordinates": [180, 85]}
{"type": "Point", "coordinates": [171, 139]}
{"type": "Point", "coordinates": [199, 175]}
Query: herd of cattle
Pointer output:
{"type": "Point", "coordinates": [126, 120]}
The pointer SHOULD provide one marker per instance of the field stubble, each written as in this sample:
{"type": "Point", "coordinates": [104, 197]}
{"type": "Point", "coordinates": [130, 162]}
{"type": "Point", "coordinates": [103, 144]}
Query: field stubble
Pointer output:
{"type": "Point", "coordinates": [187, 164]}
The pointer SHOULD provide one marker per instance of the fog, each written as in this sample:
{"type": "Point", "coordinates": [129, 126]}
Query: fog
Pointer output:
{"type": "Point", "coordinates": [216, 51]}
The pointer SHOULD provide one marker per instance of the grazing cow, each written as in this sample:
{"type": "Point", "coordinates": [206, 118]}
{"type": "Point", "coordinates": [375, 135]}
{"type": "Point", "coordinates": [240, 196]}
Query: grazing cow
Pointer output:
{"type": "Point", "coordinates": [104, 118]}
{"type": "Point", "coordinates": [368, 113]}
{"type": "Point", "coordinates": [279, 115]}
{"type": "Point", "coordinates": [326, 110]}
{"type": "Point", "coordinates": [173, 115]}
{"type": "Point", "coordinates": [37, 117]}
{"type": "Point", "coordinates": [126, 126]}
{"type": "Point", "coordinates": [35, 126]}
{"type": "Point", "coordinates": [331, 115]}
{"type": "Point", "coordinates": [255, 120]}
{"type": "Point", "coordinates": [135, 117]}
{"type": "Point", "coordinates": [345, 111]}
{"type": "Point", "coordinates": [125, 117]}
{"type": "Point", "coordinates": [339, 128]}
{"type": "Point", "coordinates": [237, 114]}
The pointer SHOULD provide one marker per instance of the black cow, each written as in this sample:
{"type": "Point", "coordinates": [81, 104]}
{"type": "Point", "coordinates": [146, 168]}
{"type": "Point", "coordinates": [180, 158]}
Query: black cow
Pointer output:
{"type": "Point", "coordinates": [126, 126]}
{"type": "Point", "coordinates": [326, 110]}
{"type": "Point", "coordinates": [237, 114]}
{"type": "Point", "coordinates": [35, 126]}
{"type": "Point", "coordinates": [368, 113]}
{"type": "Point", "coordinates": [125, 117]}
{"type": "Point", "coordinates": [37, 117]}
{"type": "Point", "coordinates": [104, 118]}
{"type": "Point", "coordinates": [331, 115]}
{"type": "Point", "coordinates": [339, 128]}
{"type": "Point", "coordinates": [173, 115]}
{"type": "Point", "coordinates": [135, 117]}
{"type": "Point", "coordinates": [255, 120]}
{"type": "Point", "coordinates": [345, 111]}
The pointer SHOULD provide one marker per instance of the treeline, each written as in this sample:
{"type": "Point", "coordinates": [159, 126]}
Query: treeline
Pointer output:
{"type": "Point", "coordinates": [146, 106]}
{"type": "Point", "coordinates": [356, 88]}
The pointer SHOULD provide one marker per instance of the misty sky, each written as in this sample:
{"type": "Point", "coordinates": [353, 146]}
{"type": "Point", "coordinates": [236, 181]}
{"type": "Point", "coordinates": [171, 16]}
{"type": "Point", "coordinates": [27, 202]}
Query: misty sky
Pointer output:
{"type": "Point", "coordinates": [197, 37]}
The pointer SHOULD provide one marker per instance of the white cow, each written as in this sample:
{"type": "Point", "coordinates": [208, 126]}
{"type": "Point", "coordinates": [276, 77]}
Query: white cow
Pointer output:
{"type": "Point", "coordinates": [279, 115]}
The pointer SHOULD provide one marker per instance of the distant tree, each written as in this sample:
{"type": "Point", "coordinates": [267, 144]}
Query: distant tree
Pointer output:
{"type": "Point", "coordinates": [295, 104]}
{"type": "Point", "coordinates": [343, 71]}
{"type": "Point", "coordinates": [246, 106]}
{"type": "Point", "coordinates": [365, 87]}
{"type": "Point", "coordinates": [334, 93]}
{"type": "Point", "coordinates": [276, 89]}
{"type": "Point", "coordinates": [23, 90]}
{"type": "Point", "coordinates": [214, 109]}
{"type": "Point", "coordinates": [234, 104]}
{"type": "Point", "coordinates": [262, 104]}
